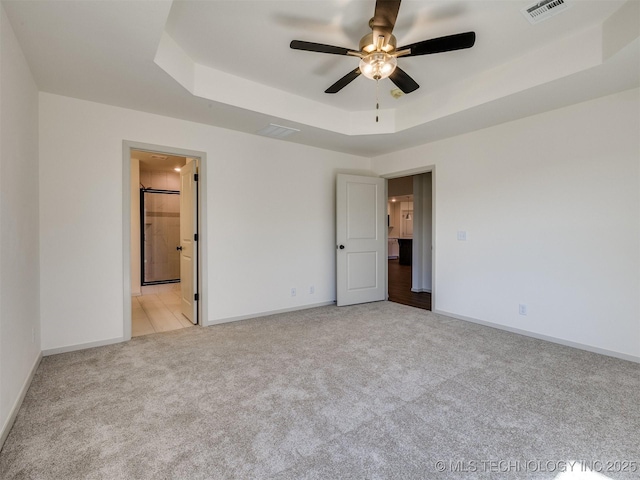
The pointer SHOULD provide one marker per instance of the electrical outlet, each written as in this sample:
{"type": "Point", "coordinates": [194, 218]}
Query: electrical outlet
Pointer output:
{"type": "Point", "coordinates": [293, 292]}
{"type": "Point", "coordinates": [522, 309]}
{"type": "Point", "coordinates": [462, 236]}
{"type": "Point", "coordinates": [312, 289]}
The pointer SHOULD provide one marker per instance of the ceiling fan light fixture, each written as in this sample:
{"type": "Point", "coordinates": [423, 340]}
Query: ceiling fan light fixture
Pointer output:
{"type": "Point", "coordinates": [378, 50]}
{"type": "Point", "coordinates": [378, 65]}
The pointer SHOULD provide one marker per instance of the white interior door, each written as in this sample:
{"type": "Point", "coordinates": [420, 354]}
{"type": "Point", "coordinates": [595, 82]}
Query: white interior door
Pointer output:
{"type": "Point", "coordinates": [361, 240]}
{"type": "Point", "coordinates": [188, 245]}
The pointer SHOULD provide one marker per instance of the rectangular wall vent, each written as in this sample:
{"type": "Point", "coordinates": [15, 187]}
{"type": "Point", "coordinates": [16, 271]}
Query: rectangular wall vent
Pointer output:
{"type": "Point", "coordinates": [277, 131]}
{"type": "Point", "coordinates": [540, 11]}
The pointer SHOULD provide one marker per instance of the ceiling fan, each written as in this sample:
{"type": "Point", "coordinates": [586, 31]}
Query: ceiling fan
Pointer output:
{"type": "Point", "coordinates": [378, 53]}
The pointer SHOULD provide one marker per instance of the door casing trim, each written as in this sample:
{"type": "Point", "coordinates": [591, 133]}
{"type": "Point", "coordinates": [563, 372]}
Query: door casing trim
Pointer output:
{"type": "Point", "coordinates": [127, 146]}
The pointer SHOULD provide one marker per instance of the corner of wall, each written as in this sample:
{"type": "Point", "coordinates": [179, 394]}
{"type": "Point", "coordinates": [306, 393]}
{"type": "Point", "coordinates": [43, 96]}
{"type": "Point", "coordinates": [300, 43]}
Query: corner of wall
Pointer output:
{"type": "Point", "coordinates": [19, 226]}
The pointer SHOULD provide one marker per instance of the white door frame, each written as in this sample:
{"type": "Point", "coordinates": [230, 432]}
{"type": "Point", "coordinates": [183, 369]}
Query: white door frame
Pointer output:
{"type": "Point", "coordinates": [418, 171]}
{"type": "Point", "coordinates": [127, 146]}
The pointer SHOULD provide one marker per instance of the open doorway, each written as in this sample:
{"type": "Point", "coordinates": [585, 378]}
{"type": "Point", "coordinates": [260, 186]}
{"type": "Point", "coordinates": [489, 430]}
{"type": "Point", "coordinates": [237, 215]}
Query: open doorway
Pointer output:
{"type": "Point", "coordinates": [163, 258]}
{"type": "Point", "coordinates": [155, 303]}
{"type": "Point", "coordinates": [409, 240]}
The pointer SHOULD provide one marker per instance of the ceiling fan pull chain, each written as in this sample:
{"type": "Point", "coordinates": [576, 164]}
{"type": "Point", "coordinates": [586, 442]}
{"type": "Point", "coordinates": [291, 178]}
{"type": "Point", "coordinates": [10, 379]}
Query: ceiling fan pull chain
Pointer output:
{"type": "Point", "coordinates": [377, 100]}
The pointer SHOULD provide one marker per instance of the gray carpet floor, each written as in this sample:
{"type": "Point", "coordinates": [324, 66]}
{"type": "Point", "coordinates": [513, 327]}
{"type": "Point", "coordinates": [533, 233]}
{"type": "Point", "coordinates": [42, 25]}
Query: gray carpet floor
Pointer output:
{"type": "Point", "coordinates": [370, 391]}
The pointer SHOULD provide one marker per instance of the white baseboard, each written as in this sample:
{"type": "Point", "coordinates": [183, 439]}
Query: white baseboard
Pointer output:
{"type": "Point", "coordinates": [111, 341]}
{"type": "Point", "coordinates": [266, 314]}
{"type": "Point", "coordinates": [81, 346]}
{"type": "Point", "coordinates": [6, 428]}
{"type": "Point", "coordinates": [539, 336]}
{"type": "Point", "coordinates": [420, 290]}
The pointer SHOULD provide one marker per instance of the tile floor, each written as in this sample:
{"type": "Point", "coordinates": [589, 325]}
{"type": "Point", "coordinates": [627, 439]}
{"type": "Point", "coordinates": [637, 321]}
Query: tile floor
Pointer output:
{"type": "Point", "coordinates": [157, 310]}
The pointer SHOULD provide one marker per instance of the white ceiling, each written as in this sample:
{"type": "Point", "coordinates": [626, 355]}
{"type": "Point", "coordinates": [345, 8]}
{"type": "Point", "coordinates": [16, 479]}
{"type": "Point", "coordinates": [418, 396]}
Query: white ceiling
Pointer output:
{"type": "Point", "coordinates": [228, 63]}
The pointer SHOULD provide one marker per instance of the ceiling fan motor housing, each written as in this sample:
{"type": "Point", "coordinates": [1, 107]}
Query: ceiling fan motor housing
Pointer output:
{"type": "Point", "coordinates": [368, 44]}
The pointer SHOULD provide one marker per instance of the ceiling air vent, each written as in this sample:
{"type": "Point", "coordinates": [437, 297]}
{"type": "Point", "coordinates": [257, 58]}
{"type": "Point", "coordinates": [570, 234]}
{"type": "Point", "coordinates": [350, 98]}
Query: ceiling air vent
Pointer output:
{"type": "Point", "coordinates": [276, 131]}
{"type": "Point", "coordinates": [540, 11]}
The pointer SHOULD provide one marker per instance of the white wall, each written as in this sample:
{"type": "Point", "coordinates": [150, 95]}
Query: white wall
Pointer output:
{"type": "Point", "coordinates": [160, 180]}
{"type": "Point", "coordinates": [551, 208]}
{"type": "Point", "coordinates": [270, 218]}
{"type": "Point", "coordinates": [395, 219]}
{"type": "Point", "coordinates": [421, 278]}
{"type": "Point", "coordinates": [19, 277]}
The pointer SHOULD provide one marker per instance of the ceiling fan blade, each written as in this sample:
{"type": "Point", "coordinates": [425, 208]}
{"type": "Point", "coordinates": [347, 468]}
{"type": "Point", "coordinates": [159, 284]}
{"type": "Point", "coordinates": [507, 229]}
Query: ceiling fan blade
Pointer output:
{"type": "Point", "coordinates": [441, 44]}
{"type": "Point", "coordinates": [318, 47]}
{"type": "Point", "coordinates": [384, 19]}
{"type": "Point", "coordinates": [344, 81]}
{"type": "Point", "coordinates": [403, 81]}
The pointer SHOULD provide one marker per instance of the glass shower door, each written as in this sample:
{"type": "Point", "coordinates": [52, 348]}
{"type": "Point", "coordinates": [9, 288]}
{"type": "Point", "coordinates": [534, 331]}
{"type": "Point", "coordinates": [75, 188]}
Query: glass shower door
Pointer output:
{"type": "Point", "coordinates": [160, 229]}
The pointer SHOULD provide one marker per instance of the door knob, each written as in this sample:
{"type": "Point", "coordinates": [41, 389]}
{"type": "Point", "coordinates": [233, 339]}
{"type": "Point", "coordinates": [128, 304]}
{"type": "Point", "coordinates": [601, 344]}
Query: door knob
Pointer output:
{"type": "Point", "coordinates": [179, 248]}
{"type": "Point", "coordinates": [341, 247]}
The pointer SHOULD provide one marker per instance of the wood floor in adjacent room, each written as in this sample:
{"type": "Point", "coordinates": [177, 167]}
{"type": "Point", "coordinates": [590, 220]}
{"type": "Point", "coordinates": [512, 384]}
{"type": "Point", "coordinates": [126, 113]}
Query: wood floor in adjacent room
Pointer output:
{"type": "Point", "coordinates": [400, 287]}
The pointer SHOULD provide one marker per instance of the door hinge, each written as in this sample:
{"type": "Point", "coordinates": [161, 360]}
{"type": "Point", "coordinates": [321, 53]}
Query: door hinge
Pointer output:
{"type": "Point", "coordinates": [196, 297]}
{"type": "Point", "coordinates": [195, 237]}
{"type": "Point", "coordinates": [195, 177]}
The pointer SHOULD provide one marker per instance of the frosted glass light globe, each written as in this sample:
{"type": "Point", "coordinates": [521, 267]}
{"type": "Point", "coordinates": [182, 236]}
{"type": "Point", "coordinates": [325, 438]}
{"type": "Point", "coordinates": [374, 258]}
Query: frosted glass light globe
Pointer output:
{"type": "Point", "coordinates": [378, 65]}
